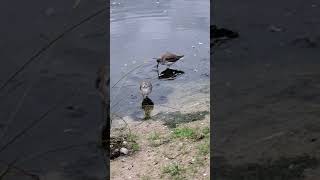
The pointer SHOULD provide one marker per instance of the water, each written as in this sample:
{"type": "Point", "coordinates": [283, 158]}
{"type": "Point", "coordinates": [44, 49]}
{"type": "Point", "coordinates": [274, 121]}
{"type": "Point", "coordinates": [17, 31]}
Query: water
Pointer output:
{"type": "Point", "coordinates": [145, 29]}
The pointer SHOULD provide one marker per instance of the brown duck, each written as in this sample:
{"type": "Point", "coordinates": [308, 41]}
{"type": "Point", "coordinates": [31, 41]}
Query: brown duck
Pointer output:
{"type": "Point", "coordinates": [168, 59]}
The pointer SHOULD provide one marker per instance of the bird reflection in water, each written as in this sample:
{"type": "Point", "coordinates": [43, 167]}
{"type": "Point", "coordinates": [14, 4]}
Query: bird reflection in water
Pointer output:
{"type": "Point", "coordinates": [147, 105]}
{"type": "Point", "coordinates": [169, 74]}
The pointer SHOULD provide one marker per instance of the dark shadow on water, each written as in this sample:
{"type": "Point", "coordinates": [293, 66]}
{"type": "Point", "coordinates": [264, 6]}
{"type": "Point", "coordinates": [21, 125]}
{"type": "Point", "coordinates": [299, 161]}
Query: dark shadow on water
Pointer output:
{"type": "Point", "coordinates": [170, 74]}
{"type": "Point", "coordinates": [147, 105]}
{"type": "Point", "coordinates": [284, 168]}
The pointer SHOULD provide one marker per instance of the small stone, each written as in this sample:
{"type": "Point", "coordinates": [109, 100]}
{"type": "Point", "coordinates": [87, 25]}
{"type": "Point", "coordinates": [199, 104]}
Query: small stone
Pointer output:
{"type": "Point", "coordinates": [124, 151]}
{"type": "Point", "coordinates": [193, 47]}
{"type": "Point", "coordinates": [204, 174]}
{"type": "Point", "coordinates": [124, 142]}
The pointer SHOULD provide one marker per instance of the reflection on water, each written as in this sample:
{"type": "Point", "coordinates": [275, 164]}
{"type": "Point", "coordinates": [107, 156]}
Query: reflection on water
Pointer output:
{"type": "Point", "coordinates": [170, 74]}
{"type": "Point", "coordinates": [147, 105]}
{"type": "Point", "coordinates": [144, 29]}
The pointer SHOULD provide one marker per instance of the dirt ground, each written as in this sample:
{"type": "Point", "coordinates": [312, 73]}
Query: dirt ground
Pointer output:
{"type": "Point", "coordinates": [162, 156]}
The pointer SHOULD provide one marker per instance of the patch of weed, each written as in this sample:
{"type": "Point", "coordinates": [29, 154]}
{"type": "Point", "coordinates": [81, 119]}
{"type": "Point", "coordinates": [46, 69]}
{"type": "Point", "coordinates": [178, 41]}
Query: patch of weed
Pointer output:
{"type": "Point", "coordinates": [184, 132]}
{"type": "Point", "coordinates": [174, 170]}
{"type": "Point", "coordinates": [135, 147]}
{"type": "Point", "coordinates": [155, 139]}
{"type": "Point", "coordinates": [173, 119]}
{"type": "Point", "coordinates": [204, 148]}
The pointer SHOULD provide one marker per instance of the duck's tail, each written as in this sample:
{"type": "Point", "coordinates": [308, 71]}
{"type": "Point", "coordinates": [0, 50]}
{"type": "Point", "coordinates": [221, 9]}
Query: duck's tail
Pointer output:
{"type": "Point", "coordinates": [180, 56]}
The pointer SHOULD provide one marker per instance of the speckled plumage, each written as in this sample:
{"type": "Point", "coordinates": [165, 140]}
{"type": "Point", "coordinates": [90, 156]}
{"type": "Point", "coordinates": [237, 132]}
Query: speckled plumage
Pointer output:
{"type": "Point", "coordinates": [145, 88]}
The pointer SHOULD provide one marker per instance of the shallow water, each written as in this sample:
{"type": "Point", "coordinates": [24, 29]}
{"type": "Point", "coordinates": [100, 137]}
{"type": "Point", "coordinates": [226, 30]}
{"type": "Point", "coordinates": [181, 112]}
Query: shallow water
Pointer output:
{"type": "Point", "coordinates": [144, 29]}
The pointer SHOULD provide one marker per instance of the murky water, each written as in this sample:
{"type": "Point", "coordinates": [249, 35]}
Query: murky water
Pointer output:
{"type": "Point", "coordinates": [145, 29]}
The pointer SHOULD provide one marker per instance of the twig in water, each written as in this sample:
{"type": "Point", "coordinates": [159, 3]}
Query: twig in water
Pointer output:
{"type": "Point", "coordinates": [127, 125]}
{"type": "Point", "coordinates": [127, 74]}
{"type": "Point", "coordinates": [16, 111]}
{"type": "Point", "coordinates": [24, 172]}
{"type": "Point", "coordinates": [7, 170]}
{"type": "Point", "coordinates": [43, 49]}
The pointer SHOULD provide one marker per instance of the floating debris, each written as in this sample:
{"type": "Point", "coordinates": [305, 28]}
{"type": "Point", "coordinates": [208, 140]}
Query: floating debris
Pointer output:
{"type": "Point", "coordinates": [305, 42]}
{"type": "Point", "coordinates": [274, 28]}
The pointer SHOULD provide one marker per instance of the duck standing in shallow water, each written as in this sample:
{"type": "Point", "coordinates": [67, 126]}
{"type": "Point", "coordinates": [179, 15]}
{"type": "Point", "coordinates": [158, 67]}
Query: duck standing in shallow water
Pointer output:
{"type": "Point", "coordinates": [145, 88]}
{"type": "Point", "coordinates": [168, 59]}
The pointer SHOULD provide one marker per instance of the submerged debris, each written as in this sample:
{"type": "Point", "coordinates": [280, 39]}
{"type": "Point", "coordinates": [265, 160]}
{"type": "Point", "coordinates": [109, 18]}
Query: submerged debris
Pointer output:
{"type": "Point", "coordinates": [306, 42]}
{"type": "Point", "coordinates": [220, 35]}
{"type": "Point", "coordinates": [282, 168]}
{"type": "Point", "coordinates": [172, 119]}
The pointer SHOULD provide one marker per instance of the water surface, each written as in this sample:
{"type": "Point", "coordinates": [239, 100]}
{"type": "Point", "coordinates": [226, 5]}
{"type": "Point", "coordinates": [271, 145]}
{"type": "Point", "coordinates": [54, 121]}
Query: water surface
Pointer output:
{"type": "Point", "coordinates": [144, 29]}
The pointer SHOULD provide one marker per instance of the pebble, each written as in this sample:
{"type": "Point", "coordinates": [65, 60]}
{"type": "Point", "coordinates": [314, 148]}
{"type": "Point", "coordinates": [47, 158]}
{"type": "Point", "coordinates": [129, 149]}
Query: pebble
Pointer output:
{"type": "Point", "coordinates": [124, 151]}
{"type": "Point", "coordinates": [124, 142]}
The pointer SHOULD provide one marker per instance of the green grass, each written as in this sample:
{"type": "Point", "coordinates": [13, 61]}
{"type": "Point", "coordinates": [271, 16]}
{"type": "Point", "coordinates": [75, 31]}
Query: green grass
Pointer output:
{"type": "Point", "coordinates": [191, 133]}
{"type": "Point", "coordinates": [174, 170]}
{"type": "Point", "coordinates": [132, 139]}
{"type": "Point", "coordinates": [145, 178]}
{"type": "Point", "coordinates": [206, 131]}
{"type": "Point", "coordinates": [155, 139]}
{"type": "Point", "coordinates": [135, 147]}
{"type": "Point", "coordinates": [204, 148]}
{"type": "Point", "coordinates": [184, 132]}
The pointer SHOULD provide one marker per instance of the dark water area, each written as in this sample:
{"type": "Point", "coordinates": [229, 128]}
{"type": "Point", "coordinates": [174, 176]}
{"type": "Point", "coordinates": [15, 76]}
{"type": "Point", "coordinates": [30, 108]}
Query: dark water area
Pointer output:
{"type": "Point", "coordinates": [50, 117]}
{"type": "Point", "coordinates": [143, 30]}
